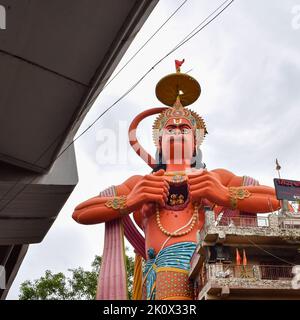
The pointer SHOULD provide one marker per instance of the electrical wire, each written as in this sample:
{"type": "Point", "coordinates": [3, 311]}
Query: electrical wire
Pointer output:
{"type": "Point", "coordinates": [138, 51]}
{"type": "Point", "coordinates": [202, 22]}
{"type": "Point", "coordinates": [91, 102]}
{"type": "Point", "coordinates": [268, 252]}
{"type": "Point", "coordinates": [181, 43]}
{"type": "Point", "coordinates": [187, 38]}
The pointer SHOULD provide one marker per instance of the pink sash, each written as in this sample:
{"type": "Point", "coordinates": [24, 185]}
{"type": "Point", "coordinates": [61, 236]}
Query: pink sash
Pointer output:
{"type": "Point", "coordinates": [112, 282]}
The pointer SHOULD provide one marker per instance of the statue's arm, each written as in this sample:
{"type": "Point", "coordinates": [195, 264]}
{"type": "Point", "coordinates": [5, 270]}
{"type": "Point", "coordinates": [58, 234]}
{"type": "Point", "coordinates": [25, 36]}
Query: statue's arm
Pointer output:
{"type": "Point", "coordinates": [137, 189]}
{"type": "Point", "coordinates": [261, 199]}
{"type": "Point", "coordinates": [94, 210]}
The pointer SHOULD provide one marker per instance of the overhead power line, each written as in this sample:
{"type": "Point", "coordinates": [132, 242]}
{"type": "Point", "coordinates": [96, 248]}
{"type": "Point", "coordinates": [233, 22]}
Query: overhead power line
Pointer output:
{"type": "Point", "coordinates": [143, 46]}
{"type": "Point", "coordinates": [181, 43]}
{"type": "Point", "coordinates": [44, 152]}
{"type": "Point", "coordinates": [211, 17]}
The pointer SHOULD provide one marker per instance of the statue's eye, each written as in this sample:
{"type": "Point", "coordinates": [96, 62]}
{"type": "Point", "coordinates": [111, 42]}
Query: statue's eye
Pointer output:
{"type": "Point", "coordinates": [171, 131]}
{"type": "Point", "coordinates": [185, 130]}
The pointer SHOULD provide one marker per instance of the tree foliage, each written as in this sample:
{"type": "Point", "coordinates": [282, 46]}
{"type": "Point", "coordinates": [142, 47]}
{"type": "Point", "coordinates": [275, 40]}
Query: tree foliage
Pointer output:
{"type": "Point", "coordinates": [80, 285]}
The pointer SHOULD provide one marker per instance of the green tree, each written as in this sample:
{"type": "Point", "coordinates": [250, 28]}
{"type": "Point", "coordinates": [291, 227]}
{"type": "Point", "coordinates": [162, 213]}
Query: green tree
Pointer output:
{"type": "Point", "coordinates": [80, 285]}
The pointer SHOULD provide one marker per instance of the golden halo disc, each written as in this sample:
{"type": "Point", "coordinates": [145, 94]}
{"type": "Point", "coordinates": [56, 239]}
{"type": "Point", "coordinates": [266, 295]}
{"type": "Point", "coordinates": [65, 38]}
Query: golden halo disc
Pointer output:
{"type": "Point", "coordinates": [174, 84]}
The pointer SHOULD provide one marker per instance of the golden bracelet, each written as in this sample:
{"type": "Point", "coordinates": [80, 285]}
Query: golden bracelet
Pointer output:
{"type": "Point", "coordinates": [118, 203]}
{"type": "Point", "coordinates": [236, 194]}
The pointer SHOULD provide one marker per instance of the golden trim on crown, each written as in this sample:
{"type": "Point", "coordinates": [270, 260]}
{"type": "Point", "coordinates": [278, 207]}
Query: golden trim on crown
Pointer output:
{"type": "Point", "coordinates": [179, 112]}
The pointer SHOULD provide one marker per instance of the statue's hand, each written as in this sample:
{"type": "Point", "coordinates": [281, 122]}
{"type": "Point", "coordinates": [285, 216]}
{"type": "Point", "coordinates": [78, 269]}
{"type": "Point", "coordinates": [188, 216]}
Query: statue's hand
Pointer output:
{"type": "Point", "coordinates": [151, 188]}
{"type": "Point", "coordinates": [207, 186]}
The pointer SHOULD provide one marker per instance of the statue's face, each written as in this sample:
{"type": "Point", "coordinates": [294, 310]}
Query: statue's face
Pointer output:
{"type": "Point", "coordinates": [177, 142]}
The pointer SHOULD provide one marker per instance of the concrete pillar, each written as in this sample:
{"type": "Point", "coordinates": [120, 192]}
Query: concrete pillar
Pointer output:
{"type": "Point", "coordinates": [273, 221]}
{"type": "Point", "coordinates": [209, 217]}
{"type": "Point", "coordinates": [225, 291]}
{"type": "Point", "coordinates": [256, 272]}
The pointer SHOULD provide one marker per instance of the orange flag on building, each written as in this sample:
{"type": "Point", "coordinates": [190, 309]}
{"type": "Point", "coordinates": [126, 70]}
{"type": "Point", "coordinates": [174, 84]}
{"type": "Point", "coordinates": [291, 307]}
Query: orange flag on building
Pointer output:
{"type": "Point", "coordinates": [244, 258]}
{"type": "Point", "coordinates": [238, 257]}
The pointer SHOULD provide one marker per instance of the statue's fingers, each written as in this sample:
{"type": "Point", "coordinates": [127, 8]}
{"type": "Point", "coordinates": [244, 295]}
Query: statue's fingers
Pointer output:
{"type": "Point", "coordinates": [154, 190]}
{"type": "Point", "coordinates": [165, 196]}
{"type": "Point", "coordinates": [195, 176]}
{"type": "Point", "coordinates": [156, 198]}
{"type": "Point", "coordinates": [199, 186]}
{"type": "Point", "coordinates": [160, 172]}
{"type": "Point", "coordinates": [196, 194]}
{"type": "Point", "coordinates": [155, 184]}
{"type": "Point", "coordinates": [152, 177]}
{"type": "Point", "coordinates": [199, 179]}
{"type": "Point", "coordinates": [196, 173]}
{"type": "Point", "coordinates": [202, 192]}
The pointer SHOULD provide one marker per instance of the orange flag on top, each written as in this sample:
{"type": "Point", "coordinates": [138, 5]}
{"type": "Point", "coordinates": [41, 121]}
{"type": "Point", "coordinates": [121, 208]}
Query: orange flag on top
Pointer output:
{"type": "Point", "coordinates": [244, 258]}
{"type": "Point", "coordinates": [178, 64]}
{"type": "Point", "coordinates": [238, 257]}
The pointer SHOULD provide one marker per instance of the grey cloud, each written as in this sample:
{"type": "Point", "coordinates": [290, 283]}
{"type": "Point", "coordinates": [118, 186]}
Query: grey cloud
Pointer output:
{"type": "Point", "coordinates": [247, 62]}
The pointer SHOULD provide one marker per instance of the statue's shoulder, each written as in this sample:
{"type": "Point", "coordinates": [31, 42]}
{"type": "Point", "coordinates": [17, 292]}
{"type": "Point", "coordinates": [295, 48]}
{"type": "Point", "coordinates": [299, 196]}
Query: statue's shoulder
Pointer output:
{"type": "Point", "coordinates": [223, 172]}
{"type": "Point", "coordinates": [227, 177]}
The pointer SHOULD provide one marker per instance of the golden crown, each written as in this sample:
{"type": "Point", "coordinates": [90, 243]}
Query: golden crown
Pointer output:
{"type": "Point", "coordinates": [177, 90]}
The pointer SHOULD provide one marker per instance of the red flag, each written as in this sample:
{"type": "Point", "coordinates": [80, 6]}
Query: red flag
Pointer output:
{"type": "Point", "coordinates": [244, 258]}
{"type": "Point", "coordinates": [238, 257]}
{"type": "Point", "coordinates": [178, 64]}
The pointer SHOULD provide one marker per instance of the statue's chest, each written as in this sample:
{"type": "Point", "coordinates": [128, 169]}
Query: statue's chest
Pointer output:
{"type": "Point", "coordinates": [168, 213]}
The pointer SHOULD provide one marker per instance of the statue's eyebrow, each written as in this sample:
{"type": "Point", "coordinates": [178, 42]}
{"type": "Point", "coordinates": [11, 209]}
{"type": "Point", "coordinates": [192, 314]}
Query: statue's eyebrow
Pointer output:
{"type": "Point", "coordinates": [179, 125]}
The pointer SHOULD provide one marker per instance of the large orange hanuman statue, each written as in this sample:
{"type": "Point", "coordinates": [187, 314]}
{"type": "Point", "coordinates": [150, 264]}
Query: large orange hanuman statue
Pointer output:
{"type": "Point", "coordinates": [168, 203]}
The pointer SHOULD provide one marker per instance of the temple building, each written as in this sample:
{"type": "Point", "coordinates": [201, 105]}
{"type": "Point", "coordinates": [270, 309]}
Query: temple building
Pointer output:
{"type": "Point", "coordinates": [247, 256]}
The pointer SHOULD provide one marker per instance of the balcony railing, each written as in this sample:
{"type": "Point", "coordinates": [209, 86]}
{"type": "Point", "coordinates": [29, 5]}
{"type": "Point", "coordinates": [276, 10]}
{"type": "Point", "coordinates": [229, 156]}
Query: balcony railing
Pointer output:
{"type": "Point", "coordinates": [244, 222]}
{"type": "Point", "coordinates": [290, 224]}
{"type": "Point", "coordinates": [259, 272]}
{"type": "Point", "coordinates": [276, 272]}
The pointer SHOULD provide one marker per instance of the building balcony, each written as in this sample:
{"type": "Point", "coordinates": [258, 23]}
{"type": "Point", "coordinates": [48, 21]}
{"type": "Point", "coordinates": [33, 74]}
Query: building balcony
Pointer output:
{"type": "Point", "coordinates": [272, 230]}
{"type": "Point", "coordinates": [250, 281]}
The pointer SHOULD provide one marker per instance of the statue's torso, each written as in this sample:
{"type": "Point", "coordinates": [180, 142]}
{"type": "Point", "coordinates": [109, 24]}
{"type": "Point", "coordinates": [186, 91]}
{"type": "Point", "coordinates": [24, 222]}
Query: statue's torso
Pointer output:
{"type": "Point", "coordinates": [171, 220]}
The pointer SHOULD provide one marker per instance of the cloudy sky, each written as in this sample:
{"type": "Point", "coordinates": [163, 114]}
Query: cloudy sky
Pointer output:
{"type": "Point", "coordinates": [247, 63]}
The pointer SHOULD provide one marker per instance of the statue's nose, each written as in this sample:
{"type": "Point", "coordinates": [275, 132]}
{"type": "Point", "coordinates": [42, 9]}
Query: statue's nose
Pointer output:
{"type": "Point", "coordinates": [177, 138]}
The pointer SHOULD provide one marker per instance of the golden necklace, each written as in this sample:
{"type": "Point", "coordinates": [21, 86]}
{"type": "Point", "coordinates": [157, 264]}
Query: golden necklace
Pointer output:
{"type": "Point", "coordinates": [175, 234]}
{"type": "Point", "coordinates": [177, 176]}
{"type": "Point", "coordinates": [175, 173]}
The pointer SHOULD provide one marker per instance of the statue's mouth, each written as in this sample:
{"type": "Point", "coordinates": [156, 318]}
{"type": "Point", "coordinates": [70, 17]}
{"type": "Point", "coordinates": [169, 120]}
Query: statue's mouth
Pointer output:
{"type": "Point", "coordinates": [178, 196]}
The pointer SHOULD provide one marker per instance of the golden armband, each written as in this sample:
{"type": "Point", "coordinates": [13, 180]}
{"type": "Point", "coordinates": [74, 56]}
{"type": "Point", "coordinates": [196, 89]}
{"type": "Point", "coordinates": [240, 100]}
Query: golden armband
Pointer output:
{"type": "Point", "coordinates": [118, 203]}
{"type": "Point", "coordinates": [236, 194]}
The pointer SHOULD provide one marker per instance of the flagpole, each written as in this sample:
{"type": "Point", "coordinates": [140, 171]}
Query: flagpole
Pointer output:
{"type": "Point", "coordinates": [283, 203]}
{"type": "Point", "coordinates": [278, 168]}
